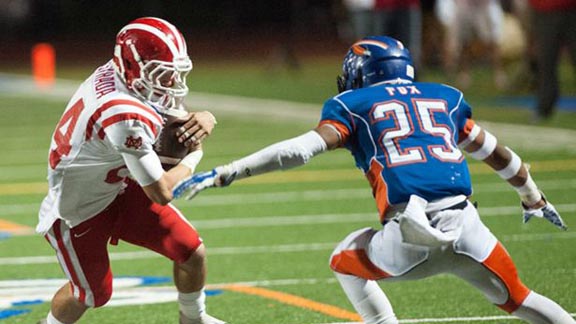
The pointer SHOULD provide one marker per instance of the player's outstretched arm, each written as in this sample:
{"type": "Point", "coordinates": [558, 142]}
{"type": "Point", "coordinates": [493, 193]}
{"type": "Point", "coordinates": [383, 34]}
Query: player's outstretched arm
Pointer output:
{"type": "Point", "coordinates": [481, 145]}
{"type": "Point", "coordinates": [283, 155]}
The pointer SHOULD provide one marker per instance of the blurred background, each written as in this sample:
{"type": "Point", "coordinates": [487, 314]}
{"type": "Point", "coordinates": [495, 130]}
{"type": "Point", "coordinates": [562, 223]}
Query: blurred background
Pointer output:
{"type": "Point", "coordinates": [292, 49]}
{"type": "Point", "coordinates": [289, 53]}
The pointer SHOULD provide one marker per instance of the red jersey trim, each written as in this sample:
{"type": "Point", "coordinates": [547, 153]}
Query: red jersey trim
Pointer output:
{"type": "Point", "coordinates": [112, 103]}
{"type": "Point", "coordinates": [123, 117]}
{"type": "Point", "coordinates": [68, 261]}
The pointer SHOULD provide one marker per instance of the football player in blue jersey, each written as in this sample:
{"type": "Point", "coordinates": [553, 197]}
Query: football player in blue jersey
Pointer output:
{"type": "Point", "coordinates": [407, 137]}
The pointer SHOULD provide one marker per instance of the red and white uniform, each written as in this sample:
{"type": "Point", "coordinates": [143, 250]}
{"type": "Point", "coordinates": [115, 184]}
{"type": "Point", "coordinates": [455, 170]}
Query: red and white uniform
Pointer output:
{"type": "Point", "coordinates": [104, 136]}
{"type": "Point", "coordinates": [102, 125]}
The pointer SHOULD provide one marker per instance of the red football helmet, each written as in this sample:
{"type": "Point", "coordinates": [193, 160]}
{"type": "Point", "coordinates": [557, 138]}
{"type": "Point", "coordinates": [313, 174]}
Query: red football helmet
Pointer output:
{"type": "Point", "coordinates": [151, 58]}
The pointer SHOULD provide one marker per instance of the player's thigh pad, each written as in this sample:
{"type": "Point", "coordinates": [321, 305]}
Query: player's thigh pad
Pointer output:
{"type": "Point", "coordinates": [162, 229]}
{"type": "Point", "coordinates": [390, 254]}
{"type": "Point", "coordinates": [375, 255]}
{"type": "Point", "coordinates": [476, 240]}
{"type": "Point", "coordinates": [350, 256]}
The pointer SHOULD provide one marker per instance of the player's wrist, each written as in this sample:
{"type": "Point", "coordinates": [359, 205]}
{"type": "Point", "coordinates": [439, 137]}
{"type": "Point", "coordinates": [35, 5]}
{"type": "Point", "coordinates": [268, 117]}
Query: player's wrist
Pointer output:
{"type": "Point", "coordinates": [192, 160]}
{"type": "Point", "coordinates": [529, 192]}
{"type": "Point", "coordinates": [226, 174]}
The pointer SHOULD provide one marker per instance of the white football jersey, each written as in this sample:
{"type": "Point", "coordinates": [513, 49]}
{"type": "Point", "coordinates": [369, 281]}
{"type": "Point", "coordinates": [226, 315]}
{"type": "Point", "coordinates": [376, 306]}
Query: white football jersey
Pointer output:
{"type": "Point", "coordinates": [101, 125]}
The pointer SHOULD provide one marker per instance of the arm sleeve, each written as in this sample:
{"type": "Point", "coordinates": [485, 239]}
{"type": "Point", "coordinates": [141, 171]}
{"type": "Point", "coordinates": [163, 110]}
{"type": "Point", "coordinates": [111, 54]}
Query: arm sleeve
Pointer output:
{"type": "Point", "coordinates": [133, 140]}
{"type": "Point", "coordinates": [282, 155]}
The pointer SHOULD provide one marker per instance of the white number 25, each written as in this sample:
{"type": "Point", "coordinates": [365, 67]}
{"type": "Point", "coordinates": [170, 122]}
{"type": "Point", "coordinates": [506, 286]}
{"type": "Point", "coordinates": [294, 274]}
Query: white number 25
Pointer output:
{"type": "Point", "coordinates": [404, 127]}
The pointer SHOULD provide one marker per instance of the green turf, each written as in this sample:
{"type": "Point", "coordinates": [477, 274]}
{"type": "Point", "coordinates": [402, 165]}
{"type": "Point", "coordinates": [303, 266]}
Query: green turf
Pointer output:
{"type": "Point", "coordinates": [546, 262]}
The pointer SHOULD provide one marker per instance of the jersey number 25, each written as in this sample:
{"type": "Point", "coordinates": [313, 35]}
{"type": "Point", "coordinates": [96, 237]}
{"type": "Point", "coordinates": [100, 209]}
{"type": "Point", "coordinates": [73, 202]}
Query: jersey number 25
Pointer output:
{"type": "Point", "coordinates": [404, 126]}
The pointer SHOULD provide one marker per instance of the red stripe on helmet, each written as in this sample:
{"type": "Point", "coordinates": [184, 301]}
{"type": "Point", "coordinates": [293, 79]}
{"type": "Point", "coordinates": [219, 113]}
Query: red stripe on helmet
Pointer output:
{"type": "Point", "coordinates": [167, 29]}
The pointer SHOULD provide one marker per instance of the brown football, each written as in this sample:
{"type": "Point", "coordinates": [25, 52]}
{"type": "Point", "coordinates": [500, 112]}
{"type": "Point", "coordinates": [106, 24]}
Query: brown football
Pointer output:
{"type": "Point", "coordinates": [169, 150]}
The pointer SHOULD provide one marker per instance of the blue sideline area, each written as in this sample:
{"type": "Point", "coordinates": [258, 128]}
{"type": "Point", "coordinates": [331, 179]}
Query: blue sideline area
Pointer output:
{"type": "Point", "coordinates": [529, 102]}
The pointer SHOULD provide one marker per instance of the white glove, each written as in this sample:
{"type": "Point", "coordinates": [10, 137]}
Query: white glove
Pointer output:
{"type": "Point", "coordinates": [547, 211]}
{"type": "Point", "coordinates": [191, 186]}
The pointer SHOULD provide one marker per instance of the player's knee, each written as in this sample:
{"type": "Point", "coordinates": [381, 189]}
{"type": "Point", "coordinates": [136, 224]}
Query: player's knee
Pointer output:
{"type": "Point", "coordinates": [502, 266]}
{"type": "Point", "coordinates": [517, 295]}
{"type": "Point", "coordinates": [101, 297]}
{"type": "Point", "coordinates": [196, 260]}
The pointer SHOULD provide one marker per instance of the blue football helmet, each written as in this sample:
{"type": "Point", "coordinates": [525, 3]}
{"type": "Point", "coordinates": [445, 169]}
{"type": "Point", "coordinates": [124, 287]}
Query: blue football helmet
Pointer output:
{"type": "Point", "coordinates": [375, 59]}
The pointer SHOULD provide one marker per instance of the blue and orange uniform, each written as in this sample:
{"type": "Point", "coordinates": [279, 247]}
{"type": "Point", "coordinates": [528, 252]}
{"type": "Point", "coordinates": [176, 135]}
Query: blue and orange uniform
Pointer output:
{"type": "Point", "coordinates": [404, 138]}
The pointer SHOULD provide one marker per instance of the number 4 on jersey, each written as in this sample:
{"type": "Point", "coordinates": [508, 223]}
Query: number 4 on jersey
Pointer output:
{"type": "Point", "coordinates": [63, 133]}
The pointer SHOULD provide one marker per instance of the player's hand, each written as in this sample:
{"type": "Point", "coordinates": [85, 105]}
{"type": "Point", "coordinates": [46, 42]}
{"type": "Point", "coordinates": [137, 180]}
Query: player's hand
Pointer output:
{"type": "Point", "coordinates": [196, 127]}
{"type": "Point", "coordinates": [193, 185]}
{"type": "Point", "coordinates": [543, 209]}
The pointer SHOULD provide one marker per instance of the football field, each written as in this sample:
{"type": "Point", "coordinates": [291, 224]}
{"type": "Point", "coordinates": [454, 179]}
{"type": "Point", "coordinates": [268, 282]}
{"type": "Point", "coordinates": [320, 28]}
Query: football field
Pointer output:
{"type": "Point", "coordinates": [269, 238]}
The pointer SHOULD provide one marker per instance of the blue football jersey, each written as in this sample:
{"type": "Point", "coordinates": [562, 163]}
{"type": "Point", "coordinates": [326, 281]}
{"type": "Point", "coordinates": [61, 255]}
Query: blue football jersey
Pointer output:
{"type": "Point", "coordinates": [404, 137]}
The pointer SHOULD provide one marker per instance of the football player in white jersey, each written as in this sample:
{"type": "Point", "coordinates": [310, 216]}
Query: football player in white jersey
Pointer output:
{"type": "Point", "coordinates": [106, 182]}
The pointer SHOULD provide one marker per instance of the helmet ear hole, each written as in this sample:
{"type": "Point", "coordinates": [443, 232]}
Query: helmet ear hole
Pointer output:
{"type": "Point", "coordinates": [357, 82]}
{"type": "Point", "coordinates": [341, 83]}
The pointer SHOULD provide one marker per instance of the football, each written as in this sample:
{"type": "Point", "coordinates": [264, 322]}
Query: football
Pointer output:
{"type": "Point", "coordinates": [169, 150]}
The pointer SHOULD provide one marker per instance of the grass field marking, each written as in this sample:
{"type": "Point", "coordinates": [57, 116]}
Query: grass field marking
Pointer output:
{"type": "Point", "coordinates": [294, 300]}
{"type": "Point", "coordinates": [283, 248]}
{"type": "Point", "coordinates": [231, 250]}
{"type": "Point", "coordinates": [295, 176]}
{"type": "Point", "coordinates": [276, 282]}
{"type": "Point", "coordinates": [355, 174]}
{"type": "Point", "coordinates": [14, 228]}
{"type": "Point", "coordinates": [512, 134]}
{"type": "Point", "coordinates": [453, 319]}
{"type": "Point", "coordinates": [312, 219]}
{"type": "Point", "coordinates": [23, 188]}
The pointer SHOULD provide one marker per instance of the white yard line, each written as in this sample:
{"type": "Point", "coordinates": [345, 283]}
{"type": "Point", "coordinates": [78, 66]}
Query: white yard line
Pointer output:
{"type": "Point", "coordinates": [43, 289]}
{"type": "Point", "coordinates": [267, 249]}
{"type": "Point", "coordinates": [527, 137]}
{"type": "Point", "coordinates": [518, 136]}
{"type": "Point", "coordinates": [452, 319]}
{"type": "Point", "coordinates": [214, 198]}
{"type": "Point", "coordinates": [335, 218]}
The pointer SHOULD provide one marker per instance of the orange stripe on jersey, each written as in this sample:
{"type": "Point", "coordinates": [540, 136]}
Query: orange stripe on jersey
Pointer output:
{"type": "Point", "coordinates": [500, 263]}
{"type": "Point", "coordinates": [356, 262]}
{"type": "Point", "coordinates": [112, 103]}
{"type": "Point", "coordinates": [466, 130]}
{"type": "Point", "coordinates": [379, 188]}
{"type": "Point", "coordinates": [343, 130]}
{"type": "Point", "coordinates": [122, 117]}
